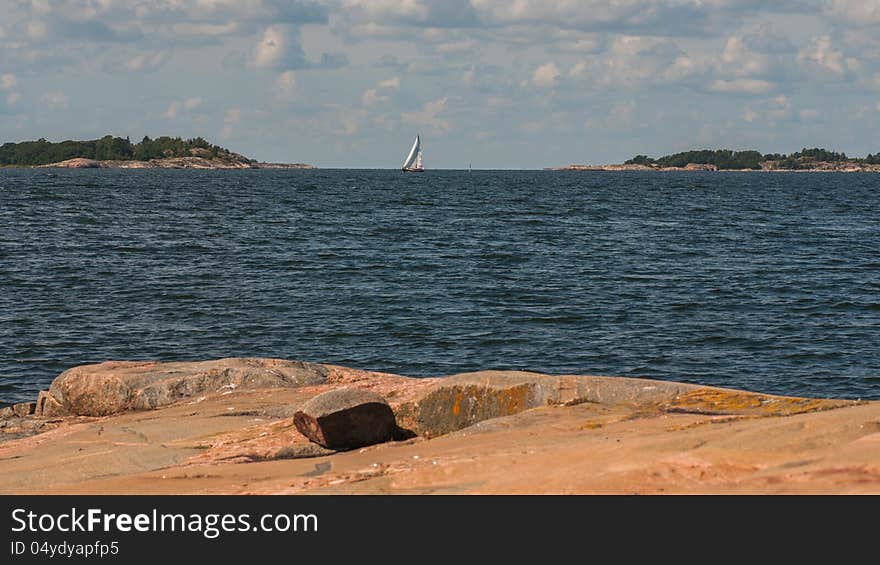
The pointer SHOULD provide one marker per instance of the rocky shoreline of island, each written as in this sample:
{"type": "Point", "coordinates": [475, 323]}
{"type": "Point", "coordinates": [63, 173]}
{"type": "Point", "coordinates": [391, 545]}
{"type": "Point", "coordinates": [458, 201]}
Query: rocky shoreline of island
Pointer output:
{"type": "Point", "coordinates": [192, 162]}
{"type": "Point", "coordinates": [806, 160]}
{"type": "Point", "coordinates": [276, 426]}
{"type": "Point", "coordinates": [692, 167]}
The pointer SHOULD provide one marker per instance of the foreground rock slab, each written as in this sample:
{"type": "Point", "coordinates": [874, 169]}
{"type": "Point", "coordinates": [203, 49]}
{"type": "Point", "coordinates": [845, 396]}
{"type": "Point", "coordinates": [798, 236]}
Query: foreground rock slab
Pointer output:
{"type": "Point", "coordinates": [228, 426]}
{"type": "Point", "coordinates": [346, 418]}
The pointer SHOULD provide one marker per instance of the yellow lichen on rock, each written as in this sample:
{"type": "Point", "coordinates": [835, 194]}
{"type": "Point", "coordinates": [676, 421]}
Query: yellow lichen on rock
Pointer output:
{"type": "Point", "coordinates": [733, 402]}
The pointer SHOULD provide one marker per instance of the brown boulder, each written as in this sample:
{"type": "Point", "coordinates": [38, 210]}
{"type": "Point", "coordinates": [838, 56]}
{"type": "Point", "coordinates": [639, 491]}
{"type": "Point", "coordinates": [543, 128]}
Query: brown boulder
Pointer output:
{"type": "Point", "coordinates": [346, 418]}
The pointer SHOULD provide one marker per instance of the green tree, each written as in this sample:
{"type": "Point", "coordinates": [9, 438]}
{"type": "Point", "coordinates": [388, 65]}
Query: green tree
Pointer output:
{"type": "Point", "coordinates": [110, 148]}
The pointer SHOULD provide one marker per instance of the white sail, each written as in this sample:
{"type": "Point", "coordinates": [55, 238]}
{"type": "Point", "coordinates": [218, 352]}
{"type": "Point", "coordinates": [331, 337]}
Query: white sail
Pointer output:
{"type": "Point", "coordinates": [415, 155]}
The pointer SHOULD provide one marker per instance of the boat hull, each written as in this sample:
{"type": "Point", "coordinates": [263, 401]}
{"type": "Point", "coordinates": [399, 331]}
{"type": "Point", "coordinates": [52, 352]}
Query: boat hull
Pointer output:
{"type": "Point", "coordinates": [413, 170]}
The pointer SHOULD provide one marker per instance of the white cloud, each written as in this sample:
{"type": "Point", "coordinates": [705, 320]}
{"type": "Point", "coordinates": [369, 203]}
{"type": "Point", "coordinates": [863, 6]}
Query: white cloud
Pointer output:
{"type": "Point", "coordinates": [779, 107]}
{"type": "Point", "coordinates": [765, 38]}
{"type": "Point", "coordinates": [270, 49]}
{"type": "Point", "coordinates": [685, 67]}
{"type": "Point", "coordinates": [41, 6]}
{"type": "Point", "coordinates": [36, 30]}
{"type": "Point", "coordinates": [741, 86]}
{"type": "Point", "coordinates": [769, 110]}
{"type": "Point", "coordinates": [378, 10]}
{"type": "Point", "coordinates": [371, 97]}
{"type": "Point", "coordinates": [858, 12]}
{"type": "Point", "coordinates": [379, 94]}
{"type": "Point", "coordinates": [175, 107]}
{"type": "Point", "coordinates": [279, 48]}
{"type": "Point", "coordinates": [499, 102]}
{"type": "Point", "coordinates": [146, 61]}
{"type": "Point", "coordinates": [462, 47]}
{"type": "Point", "coordinates": [54, 100]}
{"type": "Point", "coordinates": [632, 61]}
{"type": "Point", "coordinates": [350, 119]}
{"type": "Point", "coordinates": [378, 18]}
{"type": "Point", "coordinates": [385, 121]}
{"type": "Point", "coordinates": [853, 65]}
{"type": "Point", "coordinates": [173, 110]}
{"type": "Point", "coordinates": [739, 60]}
{"type": "Point", "coordinates": [230, 121]}
{"type": "Point", "coordinates": [205, 29]}
{"type": "Point", "coordinates": [7, 83]}
{"type": "Point", "coordinates": [546, 75]}
{"type": "Point", "coordinates": [596, 14]}
{"type": "Point", "coordinates": [429, 116]}
{"type": "Point", "coordinates": [285, 85]}
{"type": "Point", "coordinates": [618, 116]}
{"type": "Point", "coordinates": [820, 52]}
{"type": "Point", "coordinates": [187, 20]}
{"type": "Point", "coordinates": [573, 41]}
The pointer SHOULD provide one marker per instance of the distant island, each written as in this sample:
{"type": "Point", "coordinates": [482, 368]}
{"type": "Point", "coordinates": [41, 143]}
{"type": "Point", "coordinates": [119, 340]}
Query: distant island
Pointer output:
{"type": "Point", "coordinates": [726, 160]}
{"type": "Point", "coordinates": [111, 152]}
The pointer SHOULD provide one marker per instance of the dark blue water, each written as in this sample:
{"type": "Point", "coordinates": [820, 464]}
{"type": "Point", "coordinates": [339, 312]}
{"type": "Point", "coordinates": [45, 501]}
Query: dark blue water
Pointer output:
{"type": "Point", "coordinates": [766, 282]}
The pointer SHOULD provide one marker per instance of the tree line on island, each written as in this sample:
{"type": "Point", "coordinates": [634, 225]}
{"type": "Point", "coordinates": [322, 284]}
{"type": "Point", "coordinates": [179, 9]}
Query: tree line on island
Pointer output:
{"type": "Point", "coordinates": [750, 159]}
{"type": "Point", "coordinates": [108, 148]}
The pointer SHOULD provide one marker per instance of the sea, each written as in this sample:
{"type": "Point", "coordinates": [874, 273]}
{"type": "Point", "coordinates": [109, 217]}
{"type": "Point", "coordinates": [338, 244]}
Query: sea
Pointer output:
{"type": "Point", "coordinates": [767, 282]}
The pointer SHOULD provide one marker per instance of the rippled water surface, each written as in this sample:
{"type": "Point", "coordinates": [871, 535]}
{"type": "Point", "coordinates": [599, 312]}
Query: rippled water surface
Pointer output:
{"type": "Point", "coordinates": [767, 282]}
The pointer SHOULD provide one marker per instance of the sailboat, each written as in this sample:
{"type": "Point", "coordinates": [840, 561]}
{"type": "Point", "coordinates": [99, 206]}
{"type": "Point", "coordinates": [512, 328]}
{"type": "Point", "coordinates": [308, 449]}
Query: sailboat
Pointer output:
{"type": "Point", "coordinates": [413, 162]}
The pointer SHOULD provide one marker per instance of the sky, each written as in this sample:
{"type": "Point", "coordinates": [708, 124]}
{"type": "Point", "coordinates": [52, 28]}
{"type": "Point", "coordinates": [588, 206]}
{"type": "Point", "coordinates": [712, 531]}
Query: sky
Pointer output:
{"type": "Point", "coordinates": [492, 83]}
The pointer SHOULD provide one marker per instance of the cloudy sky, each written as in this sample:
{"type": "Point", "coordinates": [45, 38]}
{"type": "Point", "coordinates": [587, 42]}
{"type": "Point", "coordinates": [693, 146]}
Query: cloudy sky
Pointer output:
{"type": "Point", "coordinates": [496, 83]}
